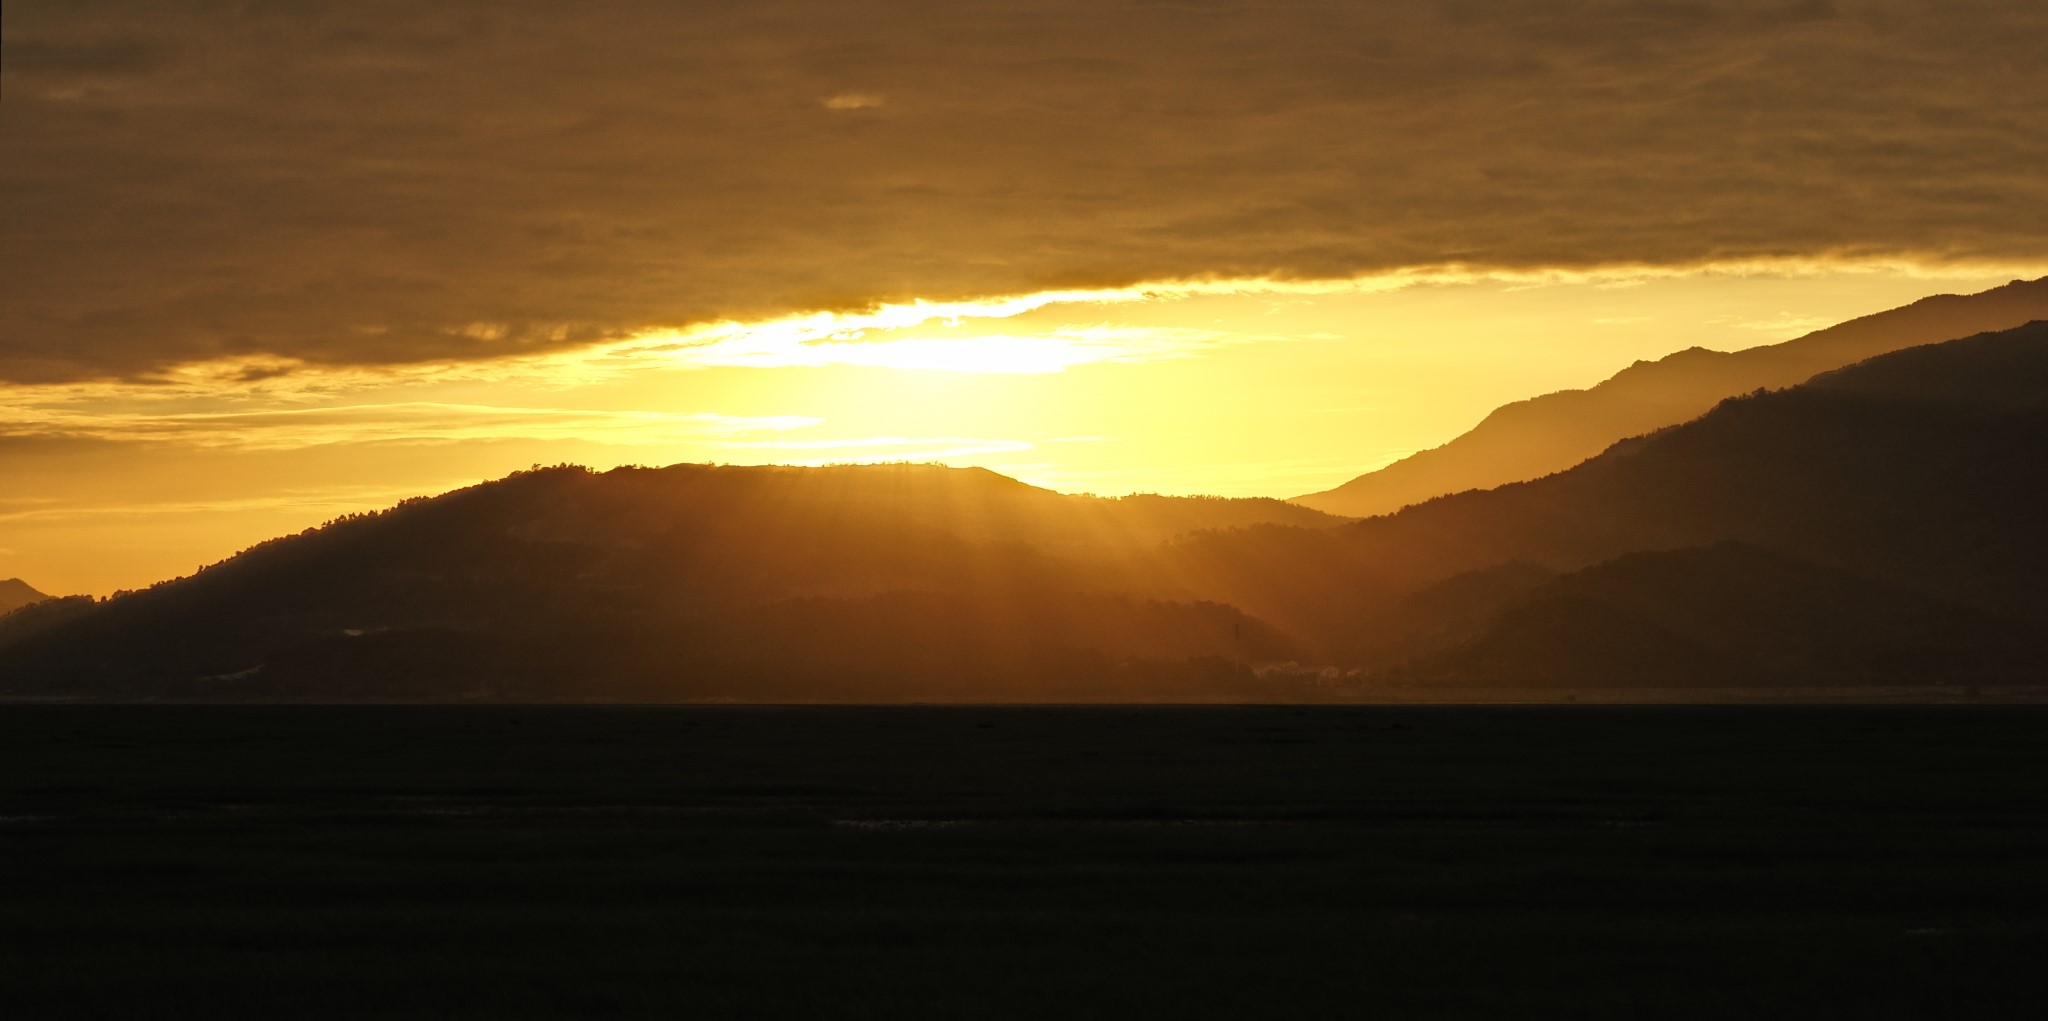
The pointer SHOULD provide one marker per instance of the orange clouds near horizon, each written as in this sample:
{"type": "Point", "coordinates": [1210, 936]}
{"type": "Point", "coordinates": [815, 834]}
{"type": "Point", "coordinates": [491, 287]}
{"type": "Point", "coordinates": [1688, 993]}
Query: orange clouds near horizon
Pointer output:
{"type": "Point", "coordinates": [381, 183]}
{"type": "Point", "coordinates": [1252, 389]}
{"type": "Point", "coordinates": [260, 264]}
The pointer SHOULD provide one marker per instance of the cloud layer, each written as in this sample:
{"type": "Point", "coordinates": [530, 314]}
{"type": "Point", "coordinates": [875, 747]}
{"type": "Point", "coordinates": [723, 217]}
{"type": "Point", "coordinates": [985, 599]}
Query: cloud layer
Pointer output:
{"type": "Point", "coordinates": [381, 182]}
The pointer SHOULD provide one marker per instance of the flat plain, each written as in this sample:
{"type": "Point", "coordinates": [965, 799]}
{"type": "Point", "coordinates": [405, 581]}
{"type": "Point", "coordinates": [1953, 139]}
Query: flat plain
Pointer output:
{"type": "Point", "coordinates": [1031, 862]}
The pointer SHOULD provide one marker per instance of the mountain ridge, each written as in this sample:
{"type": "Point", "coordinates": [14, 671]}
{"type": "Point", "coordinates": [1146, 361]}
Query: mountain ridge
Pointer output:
{"type": "Point", "coordinates": [1726, 615]}
{"type": "Point", "coordinates": [16, 593]}
{"type": "Point", "coordinates": [1879, 470]}
{"type": "Point", "coordinates": [1539, 435]}
{"type": "Point", "coordinates": [1901, 488]}
{"type": "Point", "coordinates": [690, 581]}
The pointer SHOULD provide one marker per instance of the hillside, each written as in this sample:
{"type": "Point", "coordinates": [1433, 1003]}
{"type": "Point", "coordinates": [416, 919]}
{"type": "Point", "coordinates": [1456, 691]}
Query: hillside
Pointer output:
{"type": "Point", "coordinates": [15, 593]}
{"type": "Point", "coordinates": [892, 581]}
{"type": "Point", "coordinates": [1877, 525]}
{"type": "Point", "coordinates": [1728, 615]}
{"type": "Point", "coordinates": [1887, 469]}
{"type": "Point", "coordinates": [1918, 469]}
{"type": "Point", "coordinates": [1550, 433]}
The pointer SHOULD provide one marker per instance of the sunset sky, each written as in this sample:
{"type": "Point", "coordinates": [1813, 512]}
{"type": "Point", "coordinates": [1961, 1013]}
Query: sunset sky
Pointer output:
{"type": "Point", "coordinates": [267, 263]}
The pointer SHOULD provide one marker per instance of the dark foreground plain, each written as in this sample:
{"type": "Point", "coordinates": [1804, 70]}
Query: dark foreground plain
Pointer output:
{"type": "Point", "coordinates": [500, 862]}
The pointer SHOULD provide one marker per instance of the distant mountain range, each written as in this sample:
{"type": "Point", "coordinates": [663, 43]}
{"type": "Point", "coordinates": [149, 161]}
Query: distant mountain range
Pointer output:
{"type": "Point", "coordinates": [1878, 525]}
{"type": "Point", "coordinates": [1532, 438]}
{"type": "Point", "coordinates": [1918, 471]}
{"type": "Point", "coordinates": [15, 593]}
{"type": "Point", "coordinates": [1728, 615]}
{"type": "Point", "coordinates": [879, 582]}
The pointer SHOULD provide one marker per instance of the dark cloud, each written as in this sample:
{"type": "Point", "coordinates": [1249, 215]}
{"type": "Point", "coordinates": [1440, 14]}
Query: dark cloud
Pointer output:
{"type": "Point", "coordinates": [388, 181]}
{"type": "Point", "coordinates": [87, 58]}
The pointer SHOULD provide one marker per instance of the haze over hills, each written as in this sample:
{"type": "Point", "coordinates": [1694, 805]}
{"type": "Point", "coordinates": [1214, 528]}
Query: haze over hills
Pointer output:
{"type": "Point", "coordinates": [887, 581]}
{"type": "Point", "coordinates": [15, 593]}
{"type": "Point", "coordinates": [1726, 615]}
{"type": "Point", "coordinates": [1878, 524]}
{"type": "Point", "coordinates": [1541, 435]}
{"type": "Point", "coordinates": [1884, 467]}
{"type": "Point", "coordinates": [1918, 470]}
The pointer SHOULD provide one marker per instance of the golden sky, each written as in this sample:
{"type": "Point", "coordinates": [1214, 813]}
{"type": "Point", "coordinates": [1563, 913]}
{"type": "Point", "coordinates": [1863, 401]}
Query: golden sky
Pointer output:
{"type": "Point", "coordinates": [261, 264]}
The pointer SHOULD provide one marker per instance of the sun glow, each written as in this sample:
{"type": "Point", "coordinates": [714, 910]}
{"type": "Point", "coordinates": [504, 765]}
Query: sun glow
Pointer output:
{"type": "Point", "coordinates": [1237, 387]}
{"type": "Point", "coordinates": [942, 336]}
{"type": "Point", "coordinates": [1055, 350]}
{"type": "Point", "coordinates": [995, 353]}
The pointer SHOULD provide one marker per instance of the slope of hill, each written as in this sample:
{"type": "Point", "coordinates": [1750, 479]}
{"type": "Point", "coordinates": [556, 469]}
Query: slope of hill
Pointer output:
{"type": "Point", "coordinates": [15, 593]}
{"type": "Point", "coordinates": [1728, 615]}
{"type": "Point", "coordinates": [891, 581]}
{"type": "Point", "coordinates": [1899, 500]}
{"type": "Point", "coordinates": [23, 621]}
{"type": "Point", "coordinates": [1546, 434]}
{"type": "Point", "coordinates": [1919, 469]}
{"type": "Point", "coordinates": [1992, 371]}
{"type": "Point", "coordinates": [1886, 469]}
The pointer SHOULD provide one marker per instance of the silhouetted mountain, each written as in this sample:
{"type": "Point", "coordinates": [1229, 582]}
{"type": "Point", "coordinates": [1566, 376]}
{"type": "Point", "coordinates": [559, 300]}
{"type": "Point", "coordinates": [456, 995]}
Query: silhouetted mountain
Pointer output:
{"type": "Point", "coordinates": [1536, 437]}
{"type": "Point", "coordinates": [15, 593]}
{"type": "Point", "coordinates": [1879, 524]}
{"type": "Point", "coordinates": [1993, 371]}
{"type": "Point", "coordinates": [1890, 469]}
{"type": "Point", "coordinates": [1729, 615]}
{"type": "Point", "coordinates": [1883, 469]}
{"type": "Point", "coordinates": [1448, 613]}
{"type": "Point", "coordinates": [23, 621]}
{"type": "Point", "coordinates": [891, 581]}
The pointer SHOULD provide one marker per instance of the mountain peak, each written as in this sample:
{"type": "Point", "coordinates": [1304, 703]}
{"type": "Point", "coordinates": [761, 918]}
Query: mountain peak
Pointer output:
{"type": "Point", "coordinates": [1541, 435]}
{"type": "Point", "coordinates": [15, 593]}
